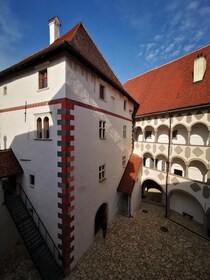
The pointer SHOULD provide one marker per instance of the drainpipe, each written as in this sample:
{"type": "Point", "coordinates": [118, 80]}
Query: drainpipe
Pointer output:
{"type": "Point", "coordinates": [167, 166]}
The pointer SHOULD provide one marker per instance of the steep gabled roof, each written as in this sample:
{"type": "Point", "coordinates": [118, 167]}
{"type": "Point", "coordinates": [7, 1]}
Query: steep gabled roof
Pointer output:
{"type": "Point", "coordinates": [130, 174]}
{"type": "Point", "coordinates": [9, 164]}
{"type": "Point", "coordinates": [77, 42]}
{"type": "Point", "coordinates": [171, 86]}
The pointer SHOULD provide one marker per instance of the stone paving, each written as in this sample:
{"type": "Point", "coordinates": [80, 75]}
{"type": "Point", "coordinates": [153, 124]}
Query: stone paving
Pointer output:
{"type": "Point", "coordinates": [136, 248]}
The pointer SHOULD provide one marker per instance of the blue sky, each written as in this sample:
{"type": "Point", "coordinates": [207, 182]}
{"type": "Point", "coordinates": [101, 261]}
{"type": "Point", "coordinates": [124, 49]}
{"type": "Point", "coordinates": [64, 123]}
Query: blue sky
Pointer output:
{"type": "Point", "coordinates": [134, 36]}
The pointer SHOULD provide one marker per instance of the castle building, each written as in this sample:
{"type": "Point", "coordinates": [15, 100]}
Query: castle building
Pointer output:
{"type": "Point", "coordinates": [82, 147]}
{"type": "Point", "coordinates": [67, 120]}
{"type": "Point", "coordinates": [172, 133]}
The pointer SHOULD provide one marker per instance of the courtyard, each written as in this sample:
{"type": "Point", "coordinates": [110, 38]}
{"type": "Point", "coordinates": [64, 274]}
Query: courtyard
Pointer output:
{"type": "Point", "coordinates": [135, 248]}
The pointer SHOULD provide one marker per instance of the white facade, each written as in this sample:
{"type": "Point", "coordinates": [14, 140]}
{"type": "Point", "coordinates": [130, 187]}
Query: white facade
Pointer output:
{"type": "Point", "coordinates": [188, 156]}
{"type": "Point", "coordinates": [20, 108]}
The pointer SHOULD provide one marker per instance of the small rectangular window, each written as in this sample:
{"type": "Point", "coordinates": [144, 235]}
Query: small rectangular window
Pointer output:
{"type": "Point", "coordinates": [125, 105]}
{"type": "Point", "coordinates": [32, 180]}
{"type": "Point", "coordinates": [124, 131]}
{"type": "Point", "coordinates": [102, 92]}
{"type": "Point", "coordinates": [102, 129]}
{"type": "Point", "coordinates": [123, 161]}
{"type": "Point", "coordinates": [174, 134]}
{"type": "Point", "coordinates": [101, 174]}
{"type": "Point", "coordinates": [5, 90]}
{"type": "Point", "coordinates": [43, 81]}
{"type": "Point", "coordinates": [178, 172]}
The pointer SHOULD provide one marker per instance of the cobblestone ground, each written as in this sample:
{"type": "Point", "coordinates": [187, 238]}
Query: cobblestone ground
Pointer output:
{"type": "Point", "coordinates": [136, 248]}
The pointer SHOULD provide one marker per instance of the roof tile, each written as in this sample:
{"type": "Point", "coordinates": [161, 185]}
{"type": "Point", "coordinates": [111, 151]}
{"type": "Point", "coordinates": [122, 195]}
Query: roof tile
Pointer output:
{"type": "Point", "coordinates": [171, 86]}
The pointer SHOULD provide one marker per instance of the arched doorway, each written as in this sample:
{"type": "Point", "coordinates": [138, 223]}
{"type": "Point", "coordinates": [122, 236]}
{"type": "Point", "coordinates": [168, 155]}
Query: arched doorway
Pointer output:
{"type": "Point", "coordinates": [186, 204]}
{"type": "Point", "coordinates": [152, 192]}
{"type": "Point", "coordinates": [100, 216]}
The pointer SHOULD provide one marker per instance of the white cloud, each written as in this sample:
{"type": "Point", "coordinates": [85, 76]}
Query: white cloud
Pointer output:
{"type": "Point", "coordinates": [10, 34]}
{"type": "Point", "coordinates": [174, 54]}
{"type": "Point", "coordinates": [204, 11]}
{"type": "Point", "coordinates": [189, 47]}
{"type": "Point", "coordinates": [158, 37]}
{"type": "Point", "coordinates": [193, 5]}
{"type": "Point", "coordinates": [8, 24]}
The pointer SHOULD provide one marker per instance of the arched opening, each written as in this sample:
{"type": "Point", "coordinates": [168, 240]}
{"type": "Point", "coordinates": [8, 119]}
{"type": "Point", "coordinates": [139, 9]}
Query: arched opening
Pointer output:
{"type": "Point", "coordinates": [138, 135]}
{"type": "Point", "coordinates": [161, 163]}
{"type": "Point", "coordinates": [197, 171]}
{"type": "Point", "coordinates": [179, 135]}
{"type": "Point", "coordinates": [199, 135]}
{"type": "Point", "coordinates": [39, 128]}
{"type": "Point", "coordinates": [149, 134]}
{"type": "Point", "coordinates": [46, 128]}
{"type": "Point", "coordinates": [186, 204]}
{"type": "Point", "coordinates": [148, 160]}
{"type": "Point", "coordinates": [152, 192]}
{"type": "Point", "coordinates": [178, 167]}
{"type": "Point", "coordinates": [100, 216]}
{"type": "Point", "coordinates": [162, 134]}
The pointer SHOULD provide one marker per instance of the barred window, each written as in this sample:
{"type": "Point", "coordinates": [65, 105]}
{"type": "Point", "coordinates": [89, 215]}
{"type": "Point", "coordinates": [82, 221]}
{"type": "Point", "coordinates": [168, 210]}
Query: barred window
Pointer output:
{"type": "Point", "coordinates": [102, 129]}
{"type": "Point", "coordinates": [101, 174]}
{"type": "Point", "coordinates": [124, 131]}
{"type": "Point", "coordinates": [43, 81]}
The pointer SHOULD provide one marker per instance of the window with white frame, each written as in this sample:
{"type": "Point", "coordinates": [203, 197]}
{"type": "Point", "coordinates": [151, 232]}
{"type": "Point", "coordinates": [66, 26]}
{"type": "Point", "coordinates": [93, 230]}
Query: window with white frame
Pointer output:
{"type": "Point", "coordinates": [42, 128]}
{"type": "Point", "coordinates": [124, 131]}
{"type": "Point", "coordinates": [102, 129]}
{"type": "Point", "coordinates": [101, 173]}
{"type": "Point", "coordinates": [43, 79]}
{"type": "Point", "coordinates": [123, 161]}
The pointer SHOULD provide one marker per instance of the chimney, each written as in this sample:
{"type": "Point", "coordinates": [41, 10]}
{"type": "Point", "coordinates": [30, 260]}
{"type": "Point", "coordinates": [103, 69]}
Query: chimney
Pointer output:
{"type": "Point", "coordinates": [199, 68]}
{"type": "Point", "coordinates": [54, 28]}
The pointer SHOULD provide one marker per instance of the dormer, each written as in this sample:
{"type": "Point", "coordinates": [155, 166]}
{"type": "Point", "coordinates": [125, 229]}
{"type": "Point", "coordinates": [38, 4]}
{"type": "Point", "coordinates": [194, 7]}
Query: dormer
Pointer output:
{"type": "Point", "coordinates": [199, 68]}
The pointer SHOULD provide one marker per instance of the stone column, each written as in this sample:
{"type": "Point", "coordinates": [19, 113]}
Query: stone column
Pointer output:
{"type": "Point", "coordinates": [186, 170]}
{"type": "Point", "coordinates": [156, 132]}
{"type": "Point", "coordinates": [188, 137]}
{"type": "Point", "coordinates": [209, 139]}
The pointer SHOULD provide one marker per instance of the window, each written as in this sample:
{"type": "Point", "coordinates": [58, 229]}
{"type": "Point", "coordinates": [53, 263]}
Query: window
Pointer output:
{"type": "Point", "coordinates": [102, 92]}
{"type": "Point", "coordinates": [42, 128]}
{"type": "Point", "coordinates": [5, 90]}
{"type": "Point", "coordinates": [174, 134]}
{"type": "Point", "coordinates": [123, 161]}
{"type": "Point", "coordinates": [124, 131]}
{"type": "Point", "coordinates": [148, 134]}
{"type": "Point", "coordinates": [39, 128]}
{"type": "Point", "coordinates": [32, 180]}
{"type": "Point", "coordinates": [101, 174]}
{"type": "Point", "coordinates": [43, 83]}
{"type": "Point", "coordinates": [102, 128]}
{"type": "Point", "coordinates": [125, 105]}
{"type": "Point", "coordinates": [178, 172]}
{"type": "Point", "coordinates": [46, 128]}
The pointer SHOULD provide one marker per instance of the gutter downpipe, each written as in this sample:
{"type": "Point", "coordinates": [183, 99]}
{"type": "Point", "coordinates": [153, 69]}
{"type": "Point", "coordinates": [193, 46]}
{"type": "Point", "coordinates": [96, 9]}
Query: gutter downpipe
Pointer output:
{"type": "Point", "coordinates": [167, 167]}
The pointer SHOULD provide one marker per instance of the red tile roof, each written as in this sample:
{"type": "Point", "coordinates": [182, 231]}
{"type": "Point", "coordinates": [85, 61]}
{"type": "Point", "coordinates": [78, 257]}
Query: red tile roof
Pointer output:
{"type": "Point", "coordinates": [130, 174]}
{"type": "Point", "coordinates": [171, 86]}
{"type": "Point", "coordinates": [9, 165]}
{"type": "Point", "coordinates": [77, 42]}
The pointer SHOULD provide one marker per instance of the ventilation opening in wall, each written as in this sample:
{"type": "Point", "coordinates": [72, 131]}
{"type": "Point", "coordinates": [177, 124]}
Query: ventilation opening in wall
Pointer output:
{"type": "Point", "coordinates": [5, 90]}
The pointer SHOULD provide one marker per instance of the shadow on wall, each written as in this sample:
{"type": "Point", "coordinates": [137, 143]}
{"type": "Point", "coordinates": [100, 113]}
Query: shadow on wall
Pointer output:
{"type": "Point", "coordinates": [182, 206]}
